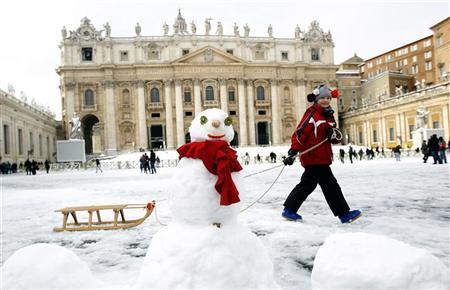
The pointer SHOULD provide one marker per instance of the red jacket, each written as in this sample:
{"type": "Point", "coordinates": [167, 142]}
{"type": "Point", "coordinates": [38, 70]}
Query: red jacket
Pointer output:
{"type": "Point", "coordinates": [314, 132]}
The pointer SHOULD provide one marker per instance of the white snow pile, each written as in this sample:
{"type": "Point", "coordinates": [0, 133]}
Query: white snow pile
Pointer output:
{"type": "Point", "coordinates": [369, 261]}
{"type": "Point", "coordinates": [193, 252]}
{"type": "Point", "coordinates": [46, 266]}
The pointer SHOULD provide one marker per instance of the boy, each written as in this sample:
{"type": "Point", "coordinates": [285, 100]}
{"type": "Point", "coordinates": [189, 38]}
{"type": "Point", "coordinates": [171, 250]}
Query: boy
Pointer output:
{"type": "Point", "coordinates": [317, 126]}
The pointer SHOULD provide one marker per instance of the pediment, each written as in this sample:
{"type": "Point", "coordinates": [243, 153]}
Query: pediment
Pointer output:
{"type": "Point", "coordinates": [209, 55]}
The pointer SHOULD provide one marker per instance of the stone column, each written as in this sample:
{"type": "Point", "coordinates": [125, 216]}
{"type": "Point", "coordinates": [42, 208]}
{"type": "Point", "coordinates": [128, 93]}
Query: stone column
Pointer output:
{"type": "Point", "coordinates": [179, 113]}
{"type": "Point", "coordinates": [276, 121]}
{"type": "Point", "coordinates": [380, 133]}
{"type": "Point", "coordinates": [300, 102]}
{"type": "Point", "coordinates": [69, 106]}
{"type": "Point", "coordinates": [223, 95]}
{"type": "Point", "coordinates": [243, 138]}
{"type": "Point", "coordinates": [251, 113]}
{"type": "Point", "coordinates": [397, 127]}
{"type": "Point", "coordinates": [169, 115]}
{"type": "Point", "coordinates": [445, 123]}
{"type": "Point", "coordinates": [383, 132]}
{"type": "Point", "coordinates": [403, 128]}
{"type": "Point", "coordinates": [197, 97]}
{"type": "Point", "coordinates": [110, 118]}
{"type": "Point", "coordinates": [367, 136]}
{"type": "Point", "coordinates": [141, 122]}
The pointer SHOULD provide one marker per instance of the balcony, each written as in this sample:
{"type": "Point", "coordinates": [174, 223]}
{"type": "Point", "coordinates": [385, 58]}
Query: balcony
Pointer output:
{"type": "Point", "coordinates": [262, 103]}
{"type": "Point", "coordinates": [211, 104]}
{"type": "Point", "coordinates": [155, 106]}
{"type": "Point", "coordinates": [90, 108]}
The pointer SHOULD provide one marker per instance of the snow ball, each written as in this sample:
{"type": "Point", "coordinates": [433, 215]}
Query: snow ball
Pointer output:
{"type": "Point", "coordinates": [368, 261]}
{"type": "Point", "coordinates": [212, 124]}
{"type": "Point", "coordinates": [46, 266]}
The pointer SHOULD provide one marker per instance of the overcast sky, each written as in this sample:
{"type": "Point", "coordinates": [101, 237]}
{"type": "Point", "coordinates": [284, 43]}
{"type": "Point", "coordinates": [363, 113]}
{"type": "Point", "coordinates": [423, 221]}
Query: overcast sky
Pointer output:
{"type": "Point", "coordinates": [31, 30]}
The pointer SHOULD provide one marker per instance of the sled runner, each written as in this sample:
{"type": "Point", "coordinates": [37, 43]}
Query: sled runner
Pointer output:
{"type": "Point", "coordinates": [101, 224]}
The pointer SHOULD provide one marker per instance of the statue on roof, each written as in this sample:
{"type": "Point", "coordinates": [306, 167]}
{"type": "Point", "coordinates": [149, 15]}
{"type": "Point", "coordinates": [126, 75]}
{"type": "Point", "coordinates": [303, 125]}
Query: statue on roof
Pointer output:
{"type": "Point", "coordinates": [236, 29]}
{"type": "Point", "coordinates": [165, 28]}
{"type": "Point", "coordinates": [64, 32]}
{"type": "Point", "coordinates": [193, 27]}
{"type": "Point", "coordinates": [138, 29]}
{"type": "Point", "coordinates": [246, 30]}
{"type": "Point", "coordinates": [219, 29]}
{"type": "Point", "coordinates": [270, 30]}
{"type": "Point", "coordinates": [107, 30]}
{"type": "Point", "coordinates": [207, 25]}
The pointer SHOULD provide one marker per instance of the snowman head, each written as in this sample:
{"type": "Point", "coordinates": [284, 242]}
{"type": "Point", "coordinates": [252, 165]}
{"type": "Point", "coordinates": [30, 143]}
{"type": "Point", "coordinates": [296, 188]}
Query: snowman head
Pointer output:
{"type": "Point", "coordinates": [212, 124]}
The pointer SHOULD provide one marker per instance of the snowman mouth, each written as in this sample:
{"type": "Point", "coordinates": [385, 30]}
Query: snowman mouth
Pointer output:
{"type": "Point", "coordinates": [216, 136]}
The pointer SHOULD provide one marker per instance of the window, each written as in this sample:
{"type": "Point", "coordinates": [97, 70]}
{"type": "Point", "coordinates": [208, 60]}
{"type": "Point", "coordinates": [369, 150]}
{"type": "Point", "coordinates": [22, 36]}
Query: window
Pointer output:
{"type": "Point", "coordinates": [414, 58]}
{"type": "Point", "coordinates": [428, 65]}
{"type": "Point", "coordinates": [375, 136]}
{"type": "Point", "coordinates": [388, 58]}
{"type": "Point", "coordinates": [415, 69]}
{"type": "Point", "coordinates": [427, 54]}
{"type": "Point", "coordinates": [6, 139]}
{"type": "Point", "coordinates": [232, 113]}
{"type": "Point", "coordinates": [360, 137]}
{"type": "Point", "coordinates": [435, 124]}
{"type": "Point", "coordinates": [209, 92]}
{"type": "Point", "coordinates": [284, 55]}
{"type": "Point", "coordinates": [125, 96]}
{"type": "Point", "coordinates": [441, 69]}
{"type": "Point", "coordinates": [231, 94]}
{"type": "Point", "coordinates": [188, 114]}
{"type": "Point", "coordinates": [405, 61]}
{"type": "Point", "coordinates": [414, 47]}
{"type": "Point", "coordinates": [156, 115]}
{"type": "Point", "coordinates": [89, 97]}
{"type": "Point", "coordinates": [260, 96]}
{"type": "Point", "coordinates": [379, 61]}
{"type": "Point", "coordinates": [391, 134]}
{"type": "Point", "coordinates": [230, 51]}
{"type": "Point", "coordinates": [20, 139]}
{"type": "Point", "coordinates": [185, 51]}
{"type": "Point", "coordinates": [439, 40]}
{"type": "Point", "coordinates": [86, 53]}
{"type": "Point", "coordinates": [314, 54]}
{"type": "Point", "coordinates": [124, 55]}
{"type": "Point", "coordinates": [411, 129]}
{"type": "Point", "coordinates": [187, 95]}
{"type": "Point", "coordinates": [261, 112]}
{"type": "Point", "coordinates": [154, 95]}
{"type": "Point", "coordinates": [427, 43]}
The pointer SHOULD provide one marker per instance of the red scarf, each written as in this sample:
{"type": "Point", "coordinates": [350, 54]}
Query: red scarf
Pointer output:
{"type": "Point", "coordinates": [221, 160]}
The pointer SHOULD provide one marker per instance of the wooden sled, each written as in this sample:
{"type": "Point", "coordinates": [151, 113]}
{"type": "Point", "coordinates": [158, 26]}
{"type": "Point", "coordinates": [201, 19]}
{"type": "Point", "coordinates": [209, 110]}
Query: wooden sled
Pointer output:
{"type": "Point", "coordinates": [100, 224]}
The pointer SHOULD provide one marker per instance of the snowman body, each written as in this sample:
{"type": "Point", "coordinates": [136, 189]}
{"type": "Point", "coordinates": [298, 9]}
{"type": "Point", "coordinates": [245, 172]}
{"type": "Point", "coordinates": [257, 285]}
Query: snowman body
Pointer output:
{"type": "Point", "coordinates": [204, 247]}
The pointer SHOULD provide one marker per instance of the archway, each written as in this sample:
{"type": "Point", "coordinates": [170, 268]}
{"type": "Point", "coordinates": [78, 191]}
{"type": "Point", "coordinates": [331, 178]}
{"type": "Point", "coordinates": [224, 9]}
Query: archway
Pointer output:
{"type": "Point", "coordinates": [91, 134]}
{"type": "Point", "coordinates": [263, 133]}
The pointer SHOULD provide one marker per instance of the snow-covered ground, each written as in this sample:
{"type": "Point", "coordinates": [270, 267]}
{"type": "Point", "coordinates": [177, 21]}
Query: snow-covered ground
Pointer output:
{"type": "Point", "coordinates": [407, 201]}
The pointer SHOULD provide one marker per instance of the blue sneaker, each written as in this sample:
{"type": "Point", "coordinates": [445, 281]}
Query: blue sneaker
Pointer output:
{"type": "Point", "coordinates": [350, 216]}
{"type": "Point", "coordinates": [290, 215]}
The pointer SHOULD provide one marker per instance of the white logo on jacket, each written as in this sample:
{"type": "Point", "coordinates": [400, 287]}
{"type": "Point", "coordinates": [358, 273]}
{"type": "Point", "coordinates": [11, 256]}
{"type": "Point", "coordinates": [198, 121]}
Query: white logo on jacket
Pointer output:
{"type": "Point", "coordinates": [316, 124]}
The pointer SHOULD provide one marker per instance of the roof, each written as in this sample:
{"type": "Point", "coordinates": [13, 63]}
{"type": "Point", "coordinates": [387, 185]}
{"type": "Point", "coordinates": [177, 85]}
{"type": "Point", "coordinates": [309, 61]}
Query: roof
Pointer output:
{"type": "Point", "coordinates": [354, 59]}
{"type": "Point", "coordinates": [440, 22]}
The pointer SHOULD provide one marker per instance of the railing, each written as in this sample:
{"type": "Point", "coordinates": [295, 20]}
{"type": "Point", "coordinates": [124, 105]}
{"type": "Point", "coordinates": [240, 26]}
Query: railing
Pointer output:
{"type": "Point", "coordinates": [153, 106]}
{"type": "Point", "coordinates": [89, 107]}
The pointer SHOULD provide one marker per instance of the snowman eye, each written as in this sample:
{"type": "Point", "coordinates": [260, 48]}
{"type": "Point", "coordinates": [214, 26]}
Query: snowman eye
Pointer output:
{"type": "Point", "coordinates": [228, 121]}
{"type": "Point", "coordinates": [203, 120]}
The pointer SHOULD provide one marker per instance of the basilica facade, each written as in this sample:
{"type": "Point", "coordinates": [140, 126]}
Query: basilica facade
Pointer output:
{"type": "Point", "coordinates": [143, 91]}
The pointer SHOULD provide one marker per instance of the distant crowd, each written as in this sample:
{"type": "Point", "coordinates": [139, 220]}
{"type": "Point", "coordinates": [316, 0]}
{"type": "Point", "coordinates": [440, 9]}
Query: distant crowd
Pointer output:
{"type": "Point", "coordinates": [148, 164]}
{"type": "Point", "coordinates": [30, 167]}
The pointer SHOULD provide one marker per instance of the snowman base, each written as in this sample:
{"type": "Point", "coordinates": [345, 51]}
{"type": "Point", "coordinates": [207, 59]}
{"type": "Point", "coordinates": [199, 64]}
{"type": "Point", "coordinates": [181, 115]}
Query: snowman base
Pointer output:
{"type": "Point", "coordinates": [189, 256]}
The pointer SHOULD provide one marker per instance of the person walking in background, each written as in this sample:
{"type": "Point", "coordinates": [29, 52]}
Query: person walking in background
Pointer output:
{"type": "Point", "coordinates": [425, 151]}
{"type": "Point", "coordinates": [433, 145]}
{"type": "Point", "coordinates": [360, 153]}
{"type": "Point", "coordinates": [397, 152]}
{"type": "Point", "coordinates": [246, 158]}
{"type": "Point", "coordinates": [152, 160]}
{"type": "Point", "coordinates": [341, 155]}
{"type": "Point", "coordinates": [47, 165]}
{"type": "Point", "coordinates": [442, 148]}
{"type": "Point", "coordinates": [350, 153]}
{"type": "Point", "coordinates": [316, 126]}
{"type": "Point", "coordinates": [98, 165]}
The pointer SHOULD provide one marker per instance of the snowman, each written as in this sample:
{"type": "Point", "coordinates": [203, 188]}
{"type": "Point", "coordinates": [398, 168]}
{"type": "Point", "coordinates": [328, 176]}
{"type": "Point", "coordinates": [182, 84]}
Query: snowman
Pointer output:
{"type": "Point", "coordinates": [205, 247]}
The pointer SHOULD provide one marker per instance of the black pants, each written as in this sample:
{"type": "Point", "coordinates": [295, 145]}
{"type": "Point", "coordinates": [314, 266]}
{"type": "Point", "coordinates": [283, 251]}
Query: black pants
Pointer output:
{"type": "Point", "coordinates": [322, 175]}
